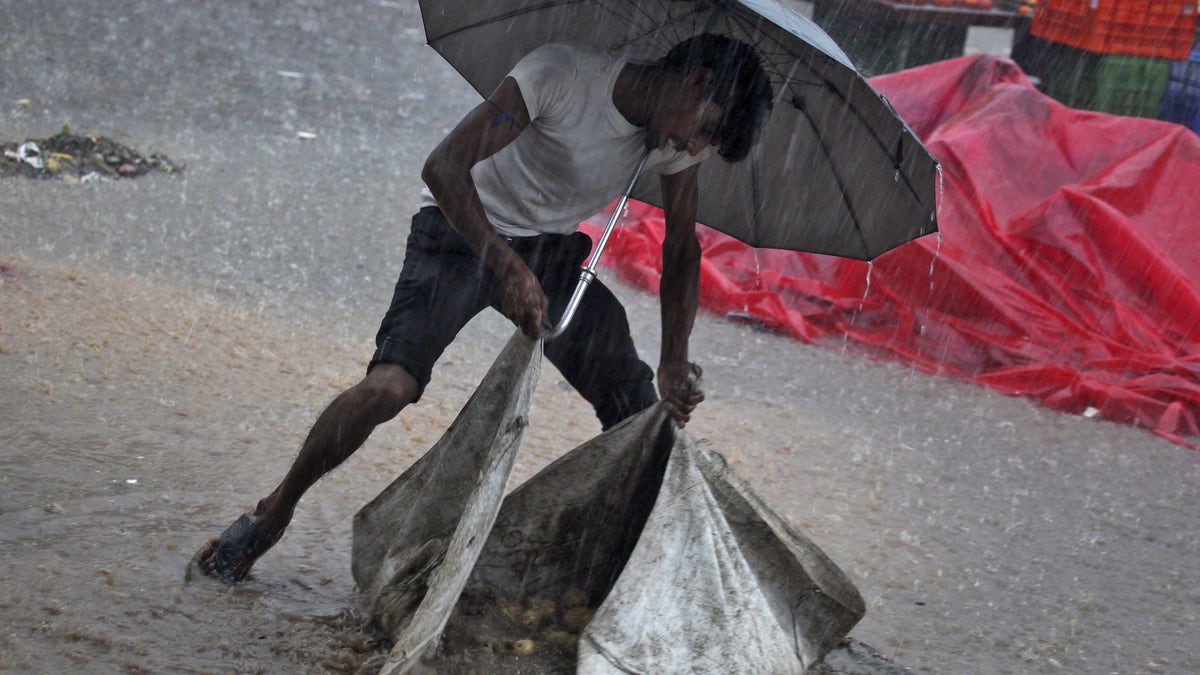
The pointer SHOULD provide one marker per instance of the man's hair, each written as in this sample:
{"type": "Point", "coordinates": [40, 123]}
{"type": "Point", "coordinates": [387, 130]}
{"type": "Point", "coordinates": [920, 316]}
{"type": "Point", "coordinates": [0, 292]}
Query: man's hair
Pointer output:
{"type": "Point", "coordinates": [739, 87]}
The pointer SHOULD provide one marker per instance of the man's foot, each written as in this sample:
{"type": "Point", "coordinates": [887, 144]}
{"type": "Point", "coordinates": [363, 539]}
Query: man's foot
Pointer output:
{"type": "Point", "coordinates": [230, 556]}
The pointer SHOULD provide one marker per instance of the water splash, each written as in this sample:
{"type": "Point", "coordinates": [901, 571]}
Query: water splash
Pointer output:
{"type": "Point", "coordinates": [940, 198]}
{"type": "Point", "coordinates": [867, 288]}
{"type": "Point", "coordinates": [937, 254]}
{"type": "Point", "coordinates": [936, 217]}
{"type": "Point", "coordinates": [861, 304]}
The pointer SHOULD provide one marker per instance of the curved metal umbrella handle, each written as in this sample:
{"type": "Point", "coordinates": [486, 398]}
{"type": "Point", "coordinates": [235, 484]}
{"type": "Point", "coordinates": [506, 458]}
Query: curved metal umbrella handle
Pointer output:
{"type": "Point", "coordinates": [588, 273]}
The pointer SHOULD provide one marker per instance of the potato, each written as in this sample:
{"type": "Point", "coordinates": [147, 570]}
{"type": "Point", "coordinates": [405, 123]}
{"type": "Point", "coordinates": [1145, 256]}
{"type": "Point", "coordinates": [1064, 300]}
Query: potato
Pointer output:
{"type": "Point", "coordinates": [540, 604]}
{"type": "Point", "coordinates": [562, 639]}
{"type": "Point", "coordinates": [537, 611]}
{"type": "Point", "coordinates": [577, 618]}
{"type": "Point", "coordinates": [510, 609]}
{"type": "Point", "coordinates": [573, 597]}
{"type": "Point", "coordinates": [524, 647]}
{"type": "Point", "coordinates": [532, 619]}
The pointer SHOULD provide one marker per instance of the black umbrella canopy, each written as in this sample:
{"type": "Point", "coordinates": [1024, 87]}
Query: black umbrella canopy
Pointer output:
{"type": "Point", "coordinates": [836, 172]}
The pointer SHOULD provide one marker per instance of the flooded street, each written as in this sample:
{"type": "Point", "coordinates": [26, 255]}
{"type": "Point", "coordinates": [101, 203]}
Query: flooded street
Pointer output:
{"type": "Point", "coordinates": [165, 343]}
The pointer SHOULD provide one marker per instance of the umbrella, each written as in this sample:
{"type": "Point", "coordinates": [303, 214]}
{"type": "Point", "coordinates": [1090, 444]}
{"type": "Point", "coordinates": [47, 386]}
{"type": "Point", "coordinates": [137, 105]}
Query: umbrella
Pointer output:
{"type": "Point", "coordinates": [837, 171]}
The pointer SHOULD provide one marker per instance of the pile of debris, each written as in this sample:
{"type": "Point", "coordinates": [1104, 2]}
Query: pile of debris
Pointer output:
{"type": "Point", "coordinates": [74, 157]}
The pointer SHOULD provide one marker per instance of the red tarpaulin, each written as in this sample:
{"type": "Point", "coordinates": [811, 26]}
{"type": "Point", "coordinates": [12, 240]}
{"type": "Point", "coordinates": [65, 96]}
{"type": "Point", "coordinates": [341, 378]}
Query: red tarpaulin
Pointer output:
{"type": "Point", "coordinates": [1066, 269]}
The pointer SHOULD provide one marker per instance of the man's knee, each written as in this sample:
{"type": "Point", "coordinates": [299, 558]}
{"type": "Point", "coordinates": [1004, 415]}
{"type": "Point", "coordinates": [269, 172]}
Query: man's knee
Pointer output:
{"type": "Point", "coordinates": [385, 391]}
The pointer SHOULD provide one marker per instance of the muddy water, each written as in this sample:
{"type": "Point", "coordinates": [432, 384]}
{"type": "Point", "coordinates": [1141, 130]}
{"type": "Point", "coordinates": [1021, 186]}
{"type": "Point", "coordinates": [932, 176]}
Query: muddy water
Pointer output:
{"type": "Point", "coordinates": [119, 451]}
{"type": "Point", "coordinates": [138, 418]}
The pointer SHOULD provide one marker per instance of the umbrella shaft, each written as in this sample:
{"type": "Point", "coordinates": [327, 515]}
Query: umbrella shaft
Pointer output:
{"type": "Point", "coordinates": [616, 214]}
{"type": "Point", "coordinates": [588, 273]}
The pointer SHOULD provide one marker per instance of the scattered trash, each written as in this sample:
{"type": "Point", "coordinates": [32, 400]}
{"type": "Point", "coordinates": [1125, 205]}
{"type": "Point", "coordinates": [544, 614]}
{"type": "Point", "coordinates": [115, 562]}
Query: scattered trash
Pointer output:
{"type": "Point", "coordinates": [1090, 412]}
{"type": "Point", "coordinates": [31, 154]}
{"type": "Point", "coordinates": [306, 135]}
{"type": "Point", "coordinates": [78, 157]}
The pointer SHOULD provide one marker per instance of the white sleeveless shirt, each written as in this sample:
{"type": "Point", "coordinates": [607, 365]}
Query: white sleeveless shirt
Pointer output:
{"type": "Point", "coordinates": [578, 152]}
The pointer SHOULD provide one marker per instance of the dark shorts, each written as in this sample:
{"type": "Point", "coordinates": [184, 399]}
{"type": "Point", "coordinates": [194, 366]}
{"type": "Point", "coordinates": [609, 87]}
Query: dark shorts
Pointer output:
{"type": "Point", "coordinates": [444, 284]}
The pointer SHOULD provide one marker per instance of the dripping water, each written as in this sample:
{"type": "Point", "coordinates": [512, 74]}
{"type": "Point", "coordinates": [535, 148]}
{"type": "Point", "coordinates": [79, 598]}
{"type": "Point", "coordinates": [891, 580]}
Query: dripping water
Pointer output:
{"type": "Point", "coordinates": [867, 286]}
{"type": "Point", "coordinates": [861, 304]}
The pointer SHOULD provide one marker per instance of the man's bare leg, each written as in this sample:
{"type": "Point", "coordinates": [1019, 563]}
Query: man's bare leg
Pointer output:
{"type": "Point", "coordinates": [338, 432]}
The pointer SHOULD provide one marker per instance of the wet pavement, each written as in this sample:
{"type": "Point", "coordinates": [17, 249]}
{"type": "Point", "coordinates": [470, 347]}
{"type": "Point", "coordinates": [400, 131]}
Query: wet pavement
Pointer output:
{"type": "Point", "coordinates": [166, 341]}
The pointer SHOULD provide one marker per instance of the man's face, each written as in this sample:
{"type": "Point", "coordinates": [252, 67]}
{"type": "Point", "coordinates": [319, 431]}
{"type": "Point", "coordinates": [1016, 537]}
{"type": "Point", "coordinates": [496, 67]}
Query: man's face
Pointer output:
{"type": "Point", "coordinates": [684, 119]}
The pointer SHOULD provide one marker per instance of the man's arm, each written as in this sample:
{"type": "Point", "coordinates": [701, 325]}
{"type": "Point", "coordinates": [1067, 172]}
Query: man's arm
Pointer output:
{"type": "Point", "coordinates": [679, 293]}
{"type": "Point", "coordinates": [485, 130]}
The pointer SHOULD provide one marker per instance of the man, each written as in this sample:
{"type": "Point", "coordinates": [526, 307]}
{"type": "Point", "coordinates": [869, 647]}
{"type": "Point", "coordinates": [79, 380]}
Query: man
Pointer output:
{"type": "Point", "coordinates": [506, 191]}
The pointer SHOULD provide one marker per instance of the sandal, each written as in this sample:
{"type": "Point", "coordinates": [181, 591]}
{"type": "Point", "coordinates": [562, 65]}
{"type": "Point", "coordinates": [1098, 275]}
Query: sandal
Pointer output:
{"type": "Point", "coordinates": [235, 552]}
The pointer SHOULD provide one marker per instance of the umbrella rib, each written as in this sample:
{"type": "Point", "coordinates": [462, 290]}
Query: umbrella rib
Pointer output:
{"type": "Point", "coordinates": [756, 198]}
{"type": "Point", "coordinates": [509, 15]}
{"type": "Point", "coordinates": [797, 101]}
{"type": "Point", "coordinates": [659, 28]}
{"type": "Point", "coordinates": [903, 176]}
{"type": "Point", "coordinates": [837, 176]}
{"type": "Point", "coordinates": [899, 160]}
{"type": "Point", "coordinates": [896, 157]}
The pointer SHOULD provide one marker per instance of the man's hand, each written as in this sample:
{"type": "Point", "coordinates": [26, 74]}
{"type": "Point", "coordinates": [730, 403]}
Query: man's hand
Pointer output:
{"type": "Point", "coordinates": [679, 386]}
{"type": "Point", "coordinates": [523, 301]}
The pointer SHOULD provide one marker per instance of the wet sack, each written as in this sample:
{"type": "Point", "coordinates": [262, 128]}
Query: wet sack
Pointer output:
{"type": "Point", "coordinates": [638, 551]}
